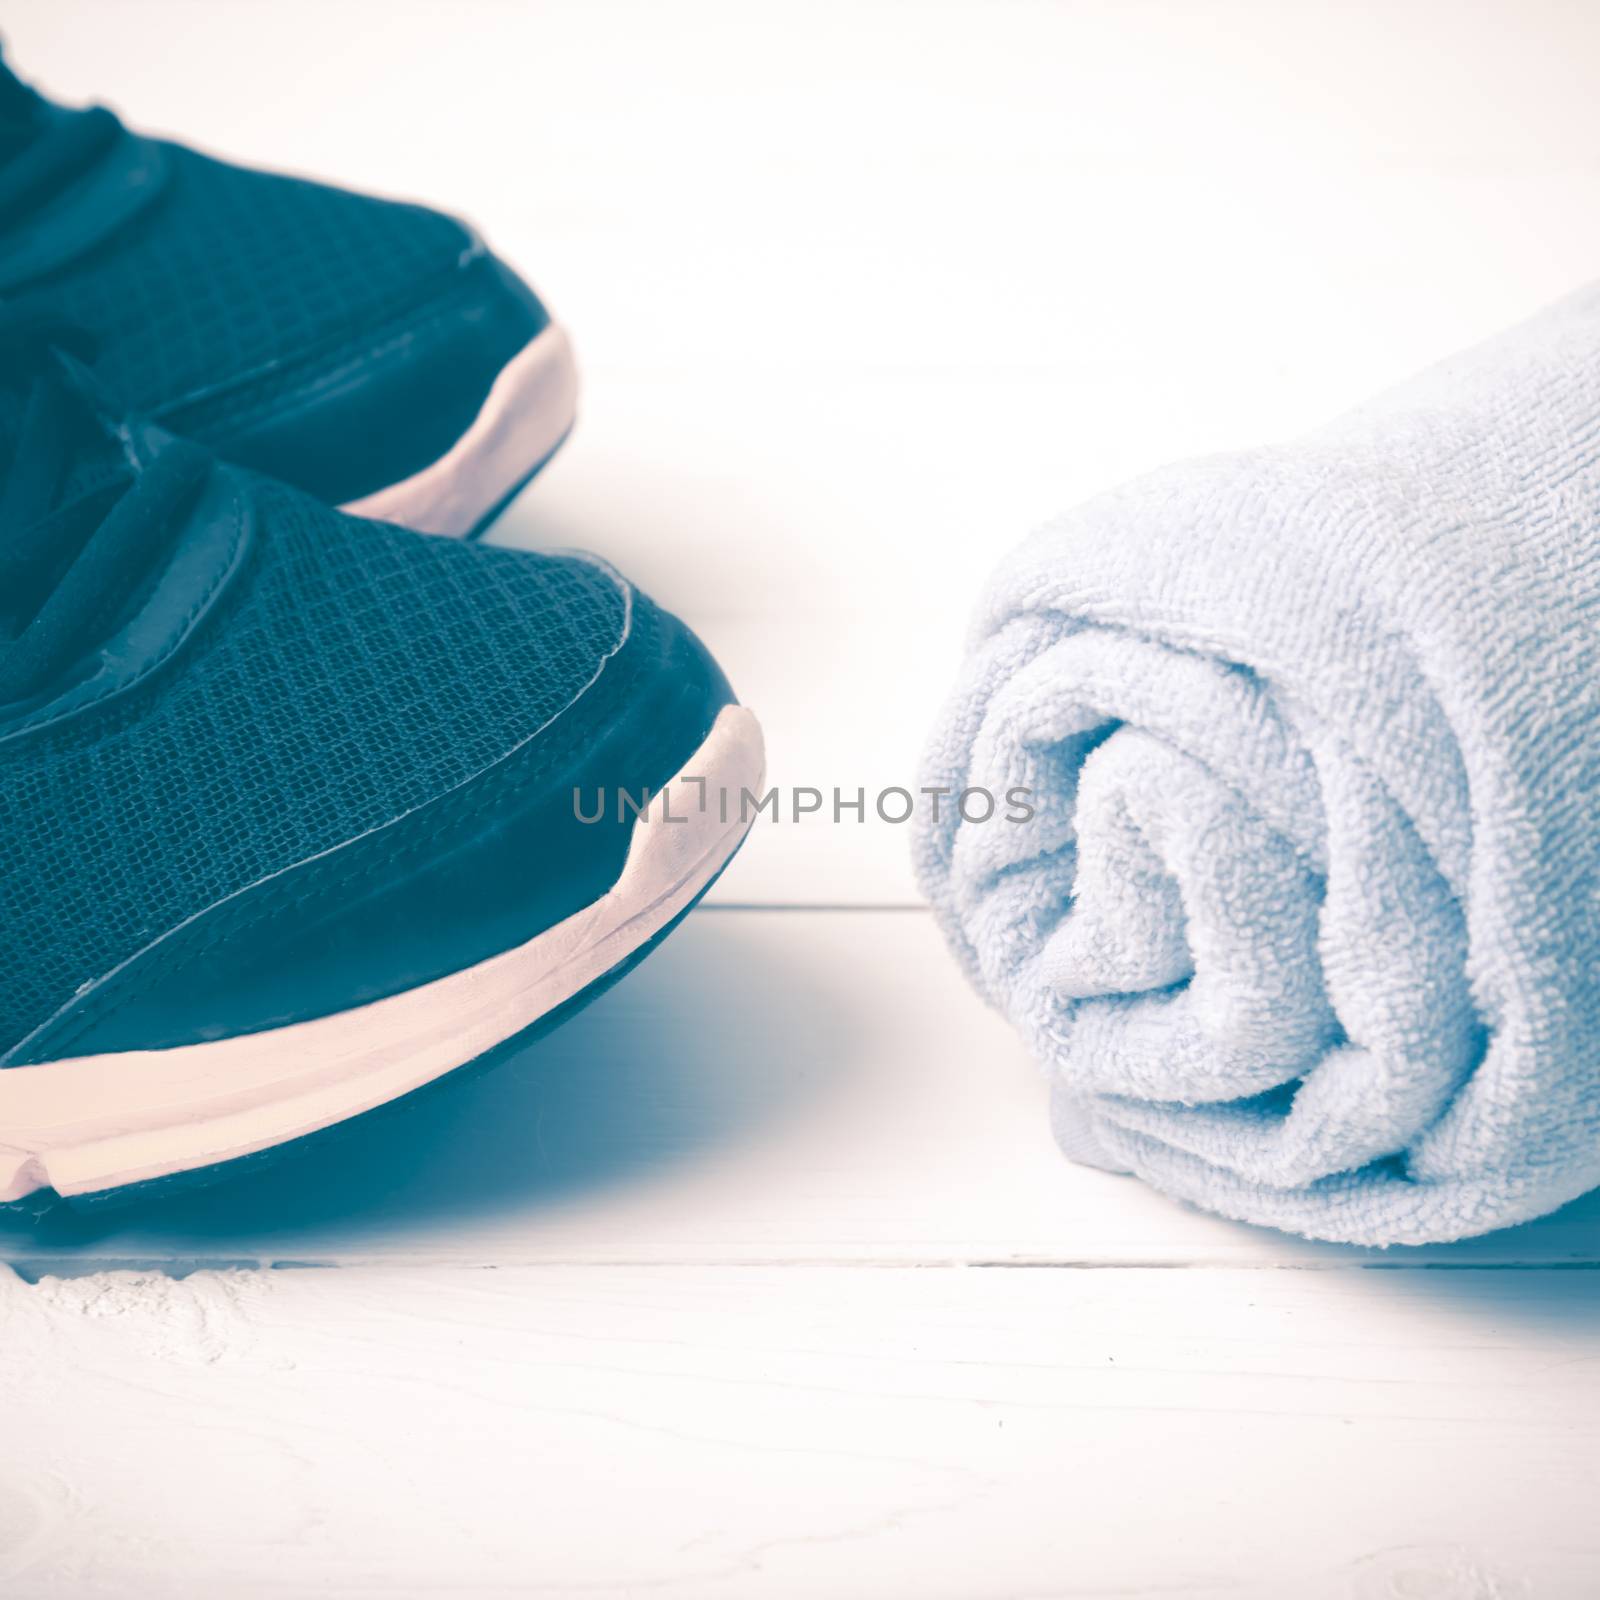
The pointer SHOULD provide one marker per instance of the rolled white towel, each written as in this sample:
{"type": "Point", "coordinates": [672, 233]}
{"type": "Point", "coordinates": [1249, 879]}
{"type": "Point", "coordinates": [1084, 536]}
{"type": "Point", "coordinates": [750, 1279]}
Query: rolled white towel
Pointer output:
{"type": "Point", "coordinates": [1305, 924]}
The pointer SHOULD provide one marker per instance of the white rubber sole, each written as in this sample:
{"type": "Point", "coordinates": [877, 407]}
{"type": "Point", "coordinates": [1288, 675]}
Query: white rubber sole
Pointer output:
{"type": "Point", "coordinates": [528, 413]}
{"type": "Point", "coordinates": [92, 1123]}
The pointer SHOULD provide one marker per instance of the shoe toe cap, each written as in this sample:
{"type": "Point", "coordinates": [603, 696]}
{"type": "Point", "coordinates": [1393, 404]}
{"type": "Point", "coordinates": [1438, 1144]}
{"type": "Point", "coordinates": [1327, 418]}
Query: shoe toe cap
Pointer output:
{"type": "Point", "coordinates": [484, 865]}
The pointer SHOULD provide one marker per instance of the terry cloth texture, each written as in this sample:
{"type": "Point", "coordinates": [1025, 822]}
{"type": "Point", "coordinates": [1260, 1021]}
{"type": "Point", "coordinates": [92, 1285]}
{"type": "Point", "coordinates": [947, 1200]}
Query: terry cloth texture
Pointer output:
{"type": "Point", "coordinates": [1306, 925]}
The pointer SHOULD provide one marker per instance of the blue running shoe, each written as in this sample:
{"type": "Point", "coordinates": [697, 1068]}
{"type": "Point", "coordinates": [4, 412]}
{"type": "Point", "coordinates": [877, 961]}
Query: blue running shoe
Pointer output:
{"type": "Point", "coordinates": [373, 354]}
{"type": "Point", "coordinates": [302, 812]}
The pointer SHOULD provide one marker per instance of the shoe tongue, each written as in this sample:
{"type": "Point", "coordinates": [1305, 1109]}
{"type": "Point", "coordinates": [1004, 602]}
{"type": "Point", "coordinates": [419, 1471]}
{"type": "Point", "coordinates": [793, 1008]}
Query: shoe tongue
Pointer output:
{"type": "Point", "coordinates": [98, 456]}
{"type": "Point", "coordinates": [22, 114]}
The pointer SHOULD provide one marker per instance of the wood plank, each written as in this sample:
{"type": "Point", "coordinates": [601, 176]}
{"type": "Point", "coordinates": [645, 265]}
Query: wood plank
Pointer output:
{"type": "Point", "coordinates": [769, 1086]}
{"type": "Point", "coordinates": [804, 1432]}
{"type": "Point", "coordinates": [860, 301]}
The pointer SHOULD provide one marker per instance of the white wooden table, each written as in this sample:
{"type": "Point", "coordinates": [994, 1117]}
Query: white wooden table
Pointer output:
{"type": "Point", "coordinates": [763, 1277]}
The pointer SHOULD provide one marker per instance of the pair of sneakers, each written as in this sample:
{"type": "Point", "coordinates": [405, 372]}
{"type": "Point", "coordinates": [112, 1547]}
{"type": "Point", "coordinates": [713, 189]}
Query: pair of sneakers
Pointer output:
{"type": "Point", "coordinates": [306, 799]}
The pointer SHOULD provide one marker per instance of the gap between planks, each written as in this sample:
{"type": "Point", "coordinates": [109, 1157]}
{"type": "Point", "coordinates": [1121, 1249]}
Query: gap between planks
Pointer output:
{"type": "Point", "coordinates": [31, 1269]}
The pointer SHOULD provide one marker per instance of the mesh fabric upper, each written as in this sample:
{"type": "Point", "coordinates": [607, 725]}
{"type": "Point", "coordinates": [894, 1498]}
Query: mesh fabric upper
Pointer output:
{"type": "Point", "coordinates": [229, 270]}
{"type": "Point", "coordinates": [356, 672]}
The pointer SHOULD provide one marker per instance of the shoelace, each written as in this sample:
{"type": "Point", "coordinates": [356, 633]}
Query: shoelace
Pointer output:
{"type": "Point", "coordinates": [70, 562]}
{"type": "Point", "coordinates": [40, 153]}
